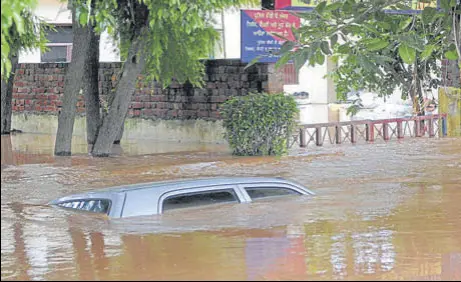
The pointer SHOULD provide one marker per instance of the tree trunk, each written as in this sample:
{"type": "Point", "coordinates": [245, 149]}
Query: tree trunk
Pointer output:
{"type": "Point", "coordinates": [115, 118]}
{"type": "Point", "coordinates": [78, 80]}
{"type": "Point", "coordinates": [120, 133]}
{"type": "Point", "coordinates": [91, 84]}
{"type": "Point", "coordinates": [7, 97]}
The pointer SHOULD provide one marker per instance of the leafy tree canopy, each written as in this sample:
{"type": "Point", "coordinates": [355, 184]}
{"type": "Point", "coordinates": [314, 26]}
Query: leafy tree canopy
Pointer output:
{"type": "Point", "coordinates": [21, 30]}
{"type": "Point", "coordinates": [175, 34]}
{"type": "Point", "coordinates": [377, 50]}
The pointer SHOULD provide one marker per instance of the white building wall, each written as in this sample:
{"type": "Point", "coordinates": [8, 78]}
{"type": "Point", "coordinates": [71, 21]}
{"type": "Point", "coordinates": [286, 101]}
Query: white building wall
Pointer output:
{"type": "Point", "coordinates": [232, 33]}
{"type": "Point", "coordinates": [56, 12]}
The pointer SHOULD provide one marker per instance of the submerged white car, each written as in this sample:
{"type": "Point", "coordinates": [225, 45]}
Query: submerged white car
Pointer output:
{"type": "Point", "coordinates": [158, 197]}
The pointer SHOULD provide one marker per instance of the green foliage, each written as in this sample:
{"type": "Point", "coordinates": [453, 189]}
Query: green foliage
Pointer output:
{"type": "Point", "coordinates": [259, 124]}
{"type": "Point", "coordinates": [21, 30]}
{"type": "Point", "coordinates": [376, 50]}
{"type": "Point", "coordinates": [177, 34]}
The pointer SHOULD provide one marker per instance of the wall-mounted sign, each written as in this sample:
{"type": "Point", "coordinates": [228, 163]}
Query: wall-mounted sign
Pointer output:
{"type": "Point", "coordinates": [416, 5]}
{"type": "Point", "coordinates": [259, 29]}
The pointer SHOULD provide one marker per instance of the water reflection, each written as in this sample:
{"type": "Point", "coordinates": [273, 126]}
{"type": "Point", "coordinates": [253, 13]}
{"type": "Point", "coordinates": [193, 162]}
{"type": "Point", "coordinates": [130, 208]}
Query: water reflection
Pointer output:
{"type": "Point", "coordinates": [26, 148]}
{"type": "Point", "coordinates": [374, 218]}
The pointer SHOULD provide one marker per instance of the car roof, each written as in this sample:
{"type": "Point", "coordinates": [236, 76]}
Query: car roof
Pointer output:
{"type": "Point", "coordinates": [163, 186]}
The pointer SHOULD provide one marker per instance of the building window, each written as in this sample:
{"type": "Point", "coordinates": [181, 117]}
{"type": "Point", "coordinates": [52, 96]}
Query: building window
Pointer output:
{"type": "Point", "coordinates": [59, 45]}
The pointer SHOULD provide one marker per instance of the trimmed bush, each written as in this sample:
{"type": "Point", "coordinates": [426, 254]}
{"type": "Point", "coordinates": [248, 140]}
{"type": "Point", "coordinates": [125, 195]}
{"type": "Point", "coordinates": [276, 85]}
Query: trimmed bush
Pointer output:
{"type": "Point", "coordinates": [259, 124]}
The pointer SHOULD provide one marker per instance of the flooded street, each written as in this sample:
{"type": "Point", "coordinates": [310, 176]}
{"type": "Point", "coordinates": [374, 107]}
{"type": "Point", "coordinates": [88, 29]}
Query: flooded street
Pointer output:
{"type": "Point", "coordinates": [382, 211]}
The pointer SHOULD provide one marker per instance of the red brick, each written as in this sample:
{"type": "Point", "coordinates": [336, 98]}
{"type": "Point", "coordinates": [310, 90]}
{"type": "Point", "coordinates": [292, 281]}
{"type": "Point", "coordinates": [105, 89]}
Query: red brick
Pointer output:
{"type": "Point", "coordinates": [215, 115]}
{"type": "Point", "coordinates": [203, 114]}
{"type": "Point", "coordinates": [173, 113]}
{"type": "Point", "coordinates": [160, 112]}
{"type": "Point", "coordinates": [156, 98]}
{"type": "Point", "coordinates": [148, 112]}
{"type": "Point", "coordinates": [136, 105]}
{"type": "Point", "coordinates": [162, 105]}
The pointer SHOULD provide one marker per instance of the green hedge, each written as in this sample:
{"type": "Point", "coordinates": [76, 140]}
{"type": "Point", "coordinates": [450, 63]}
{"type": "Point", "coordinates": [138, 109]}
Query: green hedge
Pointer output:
{"type": "Point", "coordinates": [259, 124]}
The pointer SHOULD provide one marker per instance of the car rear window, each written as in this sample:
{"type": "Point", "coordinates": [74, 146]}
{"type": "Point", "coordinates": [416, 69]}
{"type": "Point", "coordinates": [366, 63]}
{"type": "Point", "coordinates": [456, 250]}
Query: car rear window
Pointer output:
{"type": "Point", "coordinates": [195, 199]}
{"type": "Point", "coordinates": [266, 192]}
{"type": "Point", "coordinates": [91, 205]}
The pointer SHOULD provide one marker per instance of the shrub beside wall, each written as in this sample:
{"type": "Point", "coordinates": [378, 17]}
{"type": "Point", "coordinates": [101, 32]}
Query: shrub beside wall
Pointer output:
{"type": "Point", "coordinates": [259, 124]}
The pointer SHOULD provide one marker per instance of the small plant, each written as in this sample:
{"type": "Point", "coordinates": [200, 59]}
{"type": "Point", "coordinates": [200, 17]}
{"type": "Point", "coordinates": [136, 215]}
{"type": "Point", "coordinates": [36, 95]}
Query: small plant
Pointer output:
{"type": "Point", "coordinates": [259, 124]}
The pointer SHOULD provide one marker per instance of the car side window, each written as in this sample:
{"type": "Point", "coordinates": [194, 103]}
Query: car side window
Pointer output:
{"type": "Point", "coordinates": [194, 199]}
{"type": "Point", "coordinates": [266, 192]}
{"type": "Point", "coordinates": [96, 205]}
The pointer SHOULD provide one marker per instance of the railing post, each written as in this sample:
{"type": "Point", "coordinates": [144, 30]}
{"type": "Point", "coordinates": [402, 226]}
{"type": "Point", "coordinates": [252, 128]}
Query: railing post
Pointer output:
{"type": "Point", "coordinates": [338, 134]}
{"type": "Point", "coordinates": [417, 127]}
{"type": "Point", "coordinates": [399, 130]}
{"type": "Point", "coordinates": [302, 138]}
{"type": "Point", "coordinates": [431, 127]}
{"type": "Point", "coordinates": [353, 137]}
{"type": "Point", "coordinates": [444, 126]}
{"type": "Point", "coordinates": [318, 136]}
{"type": "Point", "coordinates": [385, 131]}
{"type": "Point", "coordinates": [370, 136]}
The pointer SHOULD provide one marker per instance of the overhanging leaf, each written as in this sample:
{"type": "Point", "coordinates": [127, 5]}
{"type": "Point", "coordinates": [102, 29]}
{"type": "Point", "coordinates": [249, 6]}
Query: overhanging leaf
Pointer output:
{"type": "Point", "coordinates": [405, 23]}
{"type": "Point", "coordinates": [283, 60]}
{"type": "Point", "coordinates": [428, 15]}
{"type": "Point", "coordinates": [427, 52]}
{"type": "Point", "coordinates": [333, 40]}
{"type": "Point", "coordinates": [376, 44]}
{"type": "Point", "coordinates": [451, 55]}
{"type": "Point", "coordinates": [254, 61]}
{"type": "Point", "coordinates": [325, 48]}
{"type": "Point", "coordinates": [407, 53]}
{"type": "Point", "coordinates": [321, 7]}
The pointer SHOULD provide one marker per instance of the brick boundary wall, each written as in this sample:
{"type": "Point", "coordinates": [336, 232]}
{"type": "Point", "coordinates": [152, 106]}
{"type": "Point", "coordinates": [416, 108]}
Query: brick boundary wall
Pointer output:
{"type": "Point", "coordinates": [38, 89]}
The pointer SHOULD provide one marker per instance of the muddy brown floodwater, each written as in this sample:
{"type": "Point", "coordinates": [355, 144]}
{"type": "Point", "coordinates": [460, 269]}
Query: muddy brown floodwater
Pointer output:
{"type": "Point", "coordinates": [383, 211]}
